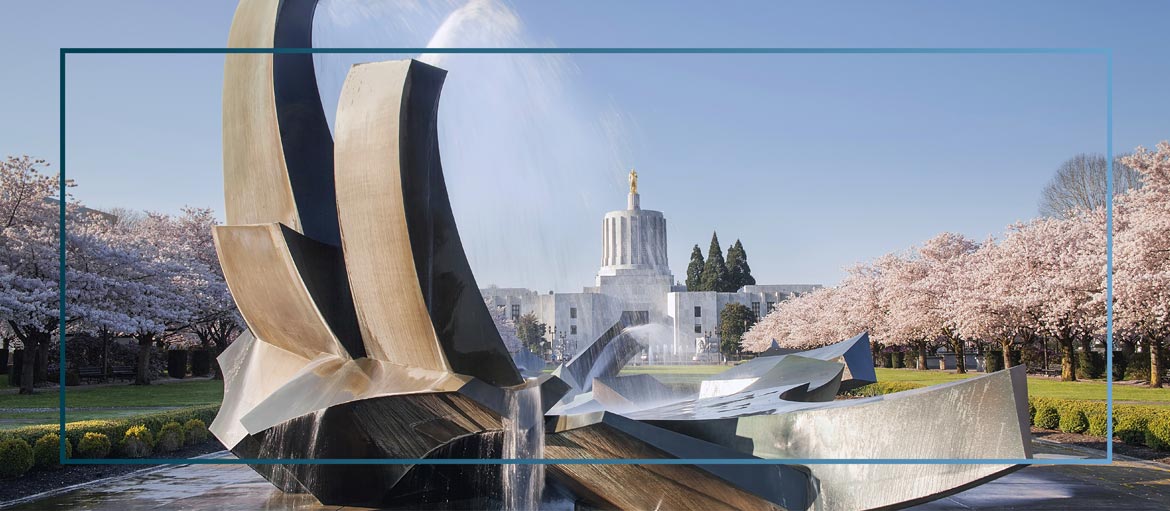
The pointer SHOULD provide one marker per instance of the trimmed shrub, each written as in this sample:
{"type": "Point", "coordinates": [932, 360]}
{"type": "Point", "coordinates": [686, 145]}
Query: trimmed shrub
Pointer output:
{"type": "Point", "coordinates": [170, 437]}
{"type": "Point", "coordinates": [1047, 416]}
{"type": "Point", "coordinates": [993, 361]}
{"type": "Point", "coordinates": [72, 378]}
{"type": "Point", "coordinates": [196, 431]}
{"type": "Point", "coordinates": [1098, 422]}
{"type": "Point", "coordinates": [177, 363]}
{"type": "Point", "coordinates": [1073, 420]}
{"type": "Point", "coordinates": [137, 442]}
{"type": "Point", "coordinates": [47, 451]}
{"type": "Point", "coordinates": [1131, 424]}
{"type": "Point", "coordinates": [1119, 365]}
{"type": "Point", "coordinates": [16, 457]}
{"type": "Point", "coordinates": [1090, 365]}
{"type": "Point", "coordinates": [1137, 367]}
{"type": "Point", "coordinates": [899, 358]}
{"type": "Point", "coordinates": [887, 360]}
{"type": "Point", "coordinates": [93, 445]}
{"type": "Point", "coordinates": [200, 363]}
{"type": "Point", "coordinates": [1158, 431]}
{"type": "Point", "coordinates": [116, 428]}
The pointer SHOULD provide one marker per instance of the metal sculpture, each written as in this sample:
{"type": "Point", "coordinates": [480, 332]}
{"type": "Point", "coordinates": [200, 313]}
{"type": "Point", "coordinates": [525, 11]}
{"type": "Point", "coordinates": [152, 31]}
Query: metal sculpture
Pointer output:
{"type": "Point", "coordinates": [367, 337]}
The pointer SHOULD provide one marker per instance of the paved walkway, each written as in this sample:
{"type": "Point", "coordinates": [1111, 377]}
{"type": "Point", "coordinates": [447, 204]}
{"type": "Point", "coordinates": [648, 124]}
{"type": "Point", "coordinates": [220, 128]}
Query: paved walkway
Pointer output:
{"type": "Point", "coordinates": [1126, 485]}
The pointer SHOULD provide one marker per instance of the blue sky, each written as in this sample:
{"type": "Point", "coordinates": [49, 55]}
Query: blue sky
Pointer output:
{"type": "Point", "coordinates": [814, 161]}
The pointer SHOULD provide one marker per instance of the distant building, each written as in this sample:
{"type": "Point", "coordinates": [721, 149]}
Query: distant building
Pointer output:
{"type": "Point", "coordinates": [635, 277]}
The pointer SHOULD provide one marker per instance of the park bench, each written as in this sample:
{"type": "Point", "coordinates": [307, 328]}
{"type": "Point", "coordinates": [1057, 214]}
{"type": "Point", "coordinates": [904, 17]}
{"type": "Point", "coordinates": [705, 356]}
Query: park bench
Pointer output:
{"type": "Point", "coordinates": [126, 372]}
{"type": "Point", "coordinates": [90, 373]}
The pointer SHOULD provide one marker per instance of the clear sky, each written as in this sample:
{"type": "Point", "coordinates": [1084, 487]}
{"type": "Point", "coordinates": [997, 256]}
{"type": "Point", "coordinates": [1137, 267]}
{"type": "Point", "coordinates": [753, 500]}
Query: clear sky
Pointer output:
{"type": "Point", "coordinates": [813, 161]}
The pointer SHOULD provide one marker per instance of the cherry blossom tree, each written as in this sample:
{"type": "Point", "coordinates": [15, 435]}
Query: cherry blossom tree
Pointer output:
{"type": "Point", "coordinates": [29, 262]}
{"type": "Point", "coordinates": [1142, 256]}
{"type": "Point", "coordinates": [987, 303]}
{"type": "Point", "coordinates": [504, 325]}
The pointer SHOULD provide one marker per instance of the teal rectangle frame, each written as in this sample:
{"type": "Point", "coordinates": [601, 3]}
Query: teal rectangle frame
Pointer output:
{"type": "Point", "coordinates": [1106, 53]}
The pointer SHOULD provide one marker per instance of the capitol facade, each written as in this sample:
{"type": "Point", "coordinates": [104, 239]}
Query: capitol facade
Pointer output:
{"type": "Point", "coordinates": [635, 277]}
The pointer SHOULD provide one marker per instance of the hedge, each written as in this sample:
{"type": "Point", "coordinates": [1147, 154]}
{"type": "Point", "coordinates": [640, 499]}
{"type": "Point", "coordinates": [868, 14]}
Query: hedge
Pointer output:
{"type": "Point", "coordinates": [114, 428]}
{"type": "Point", "coordinates": [1132, 424]}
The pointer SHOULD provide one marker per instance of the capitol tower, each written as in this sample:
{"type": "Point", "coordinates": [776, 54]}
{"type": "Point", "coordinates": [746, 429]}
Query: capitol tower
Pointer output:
{"type": "Point", "coordinates": [635, 284]}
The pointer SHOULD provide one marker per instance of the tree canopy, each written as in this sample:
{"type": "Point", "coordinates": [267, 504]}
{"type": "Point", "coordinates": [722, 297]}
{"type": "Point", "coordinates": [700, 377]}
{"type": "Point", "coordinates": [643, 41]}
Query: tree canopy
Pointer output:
{"type": "Point", "coordinates": [734, 320]}
{"type": "Point", "coordinates": [714, 277]}
{"type": "Point", "coordinates": [739, 274]}
{"type": "Point", "coordinates": [695, 270]}
{"type": "Point", "coordinates": [1043, 279]}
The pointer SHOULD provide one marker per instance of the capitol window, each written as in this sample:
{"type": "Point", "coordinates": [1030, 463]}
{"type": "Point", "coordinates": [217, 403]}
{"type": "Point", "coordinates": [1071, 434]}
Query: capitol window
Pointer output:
{"type": "Point", "coordinates": [698, 311]}
{"type": "Point", "coordinates": [573, 313]}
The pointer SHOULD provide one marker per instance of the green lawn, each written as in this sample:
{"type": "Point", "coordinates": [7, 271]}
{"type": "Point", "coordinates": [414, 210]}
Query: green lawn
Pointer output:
{"type": "Point", "coordinates": [677, 374]}
{"type": "Point", "coordinates": [1037, 386]}
{"type": "Point", "coordinates": [1042, 387]}
{"type": "Point", "coordinates": [187, 393]}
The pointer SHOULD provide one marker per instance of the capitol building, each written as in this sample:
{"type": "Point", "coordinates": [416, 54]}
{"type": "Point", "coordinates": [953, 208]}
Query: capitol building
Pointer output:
{"type": "Point", "coordinates": [635, 277]}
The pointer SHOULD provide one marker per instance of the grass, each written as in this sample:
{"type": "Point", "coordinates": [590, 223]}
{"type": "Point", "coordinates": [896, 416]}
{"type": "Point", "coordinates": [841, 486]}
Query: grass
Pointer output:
{"type": "Point", "coordinates": [677, 374]}
{"type": "Point", "coordinates": [1090, 390]}
{"type": "Point", "coordinates": [186, 393]}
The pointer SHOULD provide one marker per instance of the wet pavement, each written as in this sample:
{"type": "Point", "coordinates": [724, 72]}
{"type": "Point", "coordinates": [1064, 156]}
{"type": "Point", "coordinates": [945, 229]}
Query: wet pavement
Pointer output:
{"type": "Point", "coordinates": [1127, 484]}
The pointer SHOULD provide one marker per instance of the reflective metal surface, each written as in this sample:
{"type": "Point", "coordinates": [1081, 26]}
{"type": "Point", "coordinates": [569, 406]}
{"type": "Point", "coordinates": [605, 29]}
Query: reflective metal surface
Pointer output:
{"type": "Point", "coordinates": [368, 338]}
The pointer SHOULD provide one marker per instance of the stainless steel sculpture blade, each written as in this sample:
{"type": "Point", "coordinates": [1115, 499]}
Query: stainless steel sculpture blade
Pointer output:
{"type": "Point", "coordinates": [368, 338]}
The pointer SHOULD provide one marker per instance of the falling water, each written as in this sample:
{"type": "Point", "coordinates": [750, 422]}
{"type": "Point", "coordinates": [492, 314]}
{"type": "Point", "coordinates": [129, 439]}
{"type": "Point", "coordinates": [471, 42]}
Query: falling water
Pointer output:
{"type": "Point", "coordinates": [523, 439]}
{"type": "Point", "coordinates": [531, 156]}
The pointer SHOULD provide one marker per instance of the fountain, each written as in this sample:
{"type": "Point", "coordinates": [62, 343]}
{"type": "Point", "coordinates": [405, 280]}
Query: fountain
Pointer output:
{"type": "Point", "coordinates": [368, 339]}
{"type": "Point", "coordinates": [523, 484]}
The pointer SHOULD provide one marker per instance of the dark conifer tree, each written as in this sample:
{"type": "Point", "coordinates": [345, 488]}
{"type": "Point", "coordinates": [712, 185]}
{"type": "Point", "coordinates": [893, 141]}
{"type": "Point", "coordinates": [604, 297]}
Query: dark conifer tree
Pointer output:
{"type": "Point", "coordinates": [695, 270]}
{"type": "Point", "coordinates": [739, 274]}
{"type": "Point", "coordinates": [715, 269]}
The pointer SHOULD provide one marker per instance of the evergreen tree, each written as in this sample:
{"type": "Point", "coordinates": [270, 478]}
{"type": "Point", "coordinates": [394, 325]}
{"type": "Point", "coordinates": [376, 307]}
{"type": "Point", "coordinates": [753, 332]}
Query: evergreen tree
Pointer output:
{"type": "Point", "coordinates": [715, 269]}
{"type": "Point", "coordinates": [739, 274]}
{"type": "Point", "coordinates": [695, 270]}
{"type": "Point", "coordinates": [734, 320]}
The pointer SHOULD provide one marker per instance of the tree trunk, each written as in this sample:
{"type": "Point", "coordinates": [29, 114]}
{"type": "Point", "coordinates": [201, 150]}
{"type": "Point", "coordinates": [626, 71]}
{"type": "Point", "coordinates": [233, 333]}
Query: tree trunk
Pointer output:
{"type": "Point", "coordinates": [7, 344]}
{"type": "Point", "coordinates": [1068, 359]}
{"type": "Point", "coordinates": [106, 339]}
{"type": "Point", "coordinates": [960, 356]}
{"type": "Point", "coordinates": [1156, 368]}
{"type": "Point", "coordinates": [921, 355]}
{"type": "Point", "coordinates": [42, 370]}
{"type": "Point", "coordinates": [1006, 345]}
{"type": "Point", "coordinates": [144, 348]}
{"type": "Point", "coordinates": [28, 366]}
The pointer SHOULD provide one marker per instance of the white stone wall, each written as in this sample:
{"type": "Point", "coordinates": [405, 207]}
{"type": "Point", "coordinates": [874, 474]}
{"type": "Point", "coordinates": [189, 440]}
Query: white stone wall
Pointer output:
{"type": "Point", "coordinates": [635, 276]}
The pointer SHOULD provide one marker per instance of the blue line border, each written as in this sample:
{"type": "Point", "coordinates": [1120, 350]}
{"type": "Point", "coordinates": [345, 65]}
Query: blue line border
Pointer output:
{"type": "Point", "coordinates": [1106, 52]}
